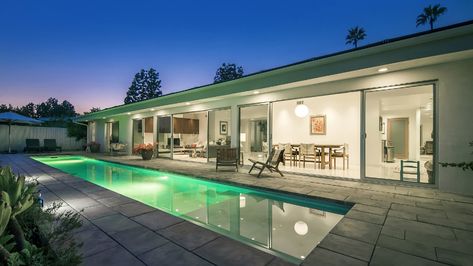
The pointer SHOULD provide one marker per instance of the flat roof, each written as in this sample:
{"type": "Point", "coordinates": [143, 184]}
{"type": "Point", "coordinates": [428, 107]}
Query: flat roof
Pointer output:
{"type": "Point", "coordinates": [440, 33]}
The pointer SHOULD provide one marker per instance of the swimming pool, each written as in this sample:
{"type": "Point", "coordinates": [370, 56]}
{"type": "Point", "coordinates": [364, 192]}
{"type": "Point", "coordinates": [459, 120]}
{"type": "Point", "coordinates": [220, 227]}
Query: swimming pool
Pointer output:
{"type": "Point", "coordinates": [284, 225]}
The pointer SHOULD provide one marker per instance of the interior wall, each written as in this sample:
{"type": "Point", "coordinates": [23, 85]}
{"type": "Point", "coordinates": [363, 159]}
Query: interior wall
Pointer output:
{"type": "Point", "coordinates": [427, 129]}
{"type": "Point", "coordinates": [342, 113]}
{"type": "Point", "coordinates": [214, 124]}
{"type": "Point", "coordinates": [201, 138]}
{"type": "Point", "coordinates": [414, 130]}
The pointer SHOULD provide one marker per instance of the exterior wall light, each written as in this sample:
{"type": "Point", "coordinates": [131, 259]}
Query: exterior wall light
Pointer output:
{"type": "Point", "coordinates": [301, 109]}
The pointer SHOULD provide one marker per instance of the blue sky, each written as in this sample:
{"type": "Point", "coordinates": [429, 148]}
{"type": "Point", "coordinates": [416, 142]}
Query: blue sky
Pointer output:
{"type": "Point", "coordinates": [87, 52]}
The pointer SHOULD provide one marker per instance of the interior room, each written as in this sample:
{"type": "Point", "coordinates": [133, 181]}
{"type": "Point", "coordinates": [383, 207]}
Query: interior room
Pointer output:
{"type": "Point", "coordinates": [111, 134]}
{"type": "Point", "coordinates": [320, 135]}
{"type": "Point", "coordinates": [163, 134]}
{"type": "Point", "coordinates": [219, 131]}
{"type": "Point", "coordinates": [254, 133]}
{"type": "Point", "coordinates": [399, 127]}
{"type": "Point", "coordinates": [143, 130]}
{"type": "Point", "coordinates": [190, 137]}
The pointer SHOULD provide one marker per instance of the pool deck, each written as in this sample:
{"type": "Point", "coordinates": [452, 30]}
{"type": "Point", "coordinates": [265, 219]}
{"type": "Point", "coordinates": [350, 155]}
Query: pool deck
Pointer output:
{"type": "Point", "coordinates": [389, 224]}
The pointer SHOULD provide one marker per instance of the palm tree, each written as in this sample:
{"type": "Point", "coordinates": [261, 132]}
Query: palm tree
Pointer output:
{"type": "Point", "coordinates": [354, 35]}
{"type": "Point", "coordinates": [430, 15]}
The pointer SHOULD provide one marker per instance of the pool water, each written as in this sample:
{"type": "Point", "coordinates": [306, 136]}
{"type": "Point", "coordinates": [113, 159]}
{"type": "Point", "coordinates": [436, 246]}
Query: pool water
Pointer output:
{"type": "Point", "coordinates": [284, 225]}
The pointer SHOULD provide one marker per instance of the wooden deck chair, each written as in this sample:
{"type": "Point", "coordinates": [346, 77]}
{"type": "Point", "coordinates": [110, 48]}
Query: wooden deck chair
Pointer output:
{"type": "Point", "coordinates": [227, 157]}
{"type": "Point", "coordinates": [271, 164]}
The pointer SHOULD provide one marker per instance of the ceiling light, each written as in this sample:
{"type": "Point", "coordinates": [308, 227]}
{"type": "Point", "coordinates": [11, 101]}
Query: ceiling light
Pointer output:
{"type": "Point", "coordinates": [301, 228]}
{"type": "Point", "coordinates": [103, 117]}
{"type": "Point", "coordinates": [301, 109]}
{"type": "Point", "coordinates": [383, 69]}
{"type": "Point", "coordinates": [152, 109]}
{"type": "Point", "coordinates": [255, 92]}
{"type": "Point", "coordinates": [128, 113]}
{"type": "Point", "coordinates": [188, 103]}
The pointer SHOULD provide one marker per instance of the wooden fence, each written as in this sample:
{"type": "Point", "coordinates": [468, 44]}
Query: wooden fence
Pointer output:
{"type": "Point", "coordinates": [20, 133]}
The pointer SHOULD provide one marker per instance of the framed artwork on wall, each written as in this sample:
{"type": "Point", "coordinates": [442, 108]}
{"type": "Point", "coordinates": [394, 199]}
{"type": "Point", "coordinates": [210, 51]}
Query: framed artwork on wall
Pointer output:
{"type": "Point", "coordinates": [223, 127]}
{"type": "Point", "coordinates": [318, 125]}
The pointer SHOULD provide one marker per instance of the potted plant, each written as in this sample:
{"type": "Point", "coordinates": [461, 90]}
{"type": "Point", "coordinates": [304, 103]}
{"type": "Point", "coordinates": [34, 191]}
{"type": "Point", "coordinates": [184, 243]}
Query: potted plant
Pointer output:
{"type": "Point", "coordinates": [146, 151]}
{"type": "Point", "coordinates": [94, 146]}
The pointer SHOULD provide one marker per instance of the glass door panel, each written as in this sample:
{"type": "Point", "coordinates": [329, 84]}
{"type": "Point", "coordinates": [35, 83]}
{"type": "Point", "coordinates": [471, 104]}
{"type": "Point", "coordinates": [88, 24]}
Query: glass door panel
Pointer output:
{"type": "Point", "coordinates": [164, 137]}
{"type": "Point", "coordinates": [254, 132]}
{"type": "Point", "coordinates": [399, 134]}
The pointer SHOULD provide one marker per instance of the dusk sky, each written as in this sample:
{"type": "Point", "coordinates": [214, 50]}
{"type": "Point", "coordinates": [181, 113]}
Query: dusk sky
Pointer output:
{"type": "Point", "coordinates": [87, 52]}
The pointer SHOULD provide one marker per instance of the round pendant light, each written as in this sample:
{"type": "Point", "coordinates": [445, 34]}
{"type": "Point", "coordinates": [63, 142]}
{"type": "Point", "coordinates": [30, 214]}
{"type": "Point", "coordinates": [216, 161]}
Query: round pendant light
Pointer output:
{"type": "Point", "coordinates": [301, 109]}
{"type": "Point", "coordinates": [301, 228]}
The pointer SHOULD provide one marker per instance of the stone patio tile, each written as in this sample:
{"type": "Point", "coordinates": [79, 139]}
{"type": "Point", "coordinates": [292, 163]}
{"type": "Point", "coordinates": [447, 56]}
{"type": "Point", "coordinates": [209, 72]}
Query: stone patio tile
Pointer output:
{"type": "Point", "coordinates": [139, 240]}
{"type": "Point", "coordinates": [388, 257]}
{"type": "Point", "coordinates": [362, 231]}
{"type": "Point", "coordinates": [114, 201]}
{"type": "Point", "coordinates": [464, 225]}
{"type": "Point", "coordinates": [102, 194]}
{"type": "Point", "coordinates": [365, 216]}
{"type": "Point", "coordinates": [463, 217]}
{"type": "Point", "coordinates": [188, 235]}
{"type": "Point", "coordinates": [419, 210]}
{"type": "Point", "coordinates": [172, 255]}
{"type": "Point", "coordinates": [393, 231]}
{"type": "Point", "coordinates": [324, 257]}
{"type": "Point", "coordinates": [157, 220]}
{"type": "Point", "coordinates": [420, 227]}
{"type": "Point", "coordinates": [81, 202]}
{"type": "Point", "coordinates": [116, 256]}
{"type": "Point", "coordinates": [225, 251]}
{"type": "Point", "coordinates": [454, 257]}
{"type": "Point", "coordinates": [463, 235]}
{"type": "Point", "coordinates": [370, 209]}
{"type": "Point", "coordinates": [115, 223]}
{"type": "Point", "coordinates": [279, 262]}
{"type": "Point", "coordinates": [328, 195]}
{"type": "Point", "coordinates": [133, 209]}
{"type": "Point", "coordinates": [94, 241]}
{"type": "Point", "coordinates": [413, 248]}
{"type": "Point", "coordinates": [435, 241]}
{"type": "Point", "coordinates": [347, 246]}
{"type": "Point", "coordinates": [98, 211]}
{"type": "Point", "coordinates": [403, 215]}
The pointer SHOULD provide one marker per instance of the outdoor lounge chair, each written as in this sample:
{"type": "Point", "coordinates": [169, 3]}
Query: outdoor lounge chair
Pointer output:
{"type": "Point", "coordinates": [118, 148]}
{"type": "Point", "coordinates": [227, 157]}
{"type": "Point", "coordinates": [32, 145]}
{"type": "Point", "coordinates": [50, 145]}
{"type": "Point", "coordinates": [271, 164]}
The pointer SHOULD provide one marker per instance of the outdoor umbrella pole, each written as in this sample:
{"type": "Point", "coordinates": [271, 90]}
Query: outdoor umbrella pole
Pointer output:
{"type": "Point", "coordinates": [9, 137]}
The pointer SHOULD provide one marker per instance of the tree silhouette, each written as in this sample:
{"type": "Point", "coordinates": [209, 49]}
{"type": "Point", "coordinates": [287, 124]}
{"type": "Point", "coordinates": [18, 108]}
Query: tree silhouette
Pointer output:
{"type": "Point", "coordinates": [146, 85]}
{"type": "Point", "coordinates": [228, 72]}
{"type": "Point", "coordinates": [355, 35]}
{"type": "Point", "coordinates": [430, 15]}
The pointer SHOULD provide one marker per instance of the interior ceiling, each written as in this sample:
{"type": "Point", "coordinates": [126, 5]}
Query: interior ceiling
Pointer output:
{"type": "Point", "coordinates": [407, 99]}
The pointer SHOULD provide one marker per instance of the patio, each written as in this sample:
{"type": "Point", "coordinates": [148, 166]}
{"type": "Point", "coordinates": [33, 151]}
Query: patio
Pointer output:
{"type": "Point", "coordinates": [388, 225]}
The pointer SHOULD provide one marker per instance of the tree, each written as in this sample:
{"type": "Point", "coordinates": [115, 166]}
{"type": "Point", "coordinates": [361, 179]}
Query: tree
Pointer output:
{"type": "Point", "coordinates": [430, 15]}
{"type": "Point", "coordinates": [228, 72]}
{"type": "Point", "coordinates": [93, 110]}
{"type": "Point", "coordinates": [355, 35]}
{"type": "Point", "coordinates": [6, 108]}
{"type": "Point", "coordinates": [145, 85]}
{"type": "Point", "coordinates": [27, 110]}
{"type": "Point", "coordinates": [52, 108]}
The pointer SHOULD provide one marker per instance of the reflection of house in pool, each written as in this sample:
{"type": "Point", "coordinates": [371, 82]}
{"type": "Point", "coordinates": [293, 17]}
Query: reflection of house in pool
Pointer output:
{"type": "Point", "coordinates": [354, 114]}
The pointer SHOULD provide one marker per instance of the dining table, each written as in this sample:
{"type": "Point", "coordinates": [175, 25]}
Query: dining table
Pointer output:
{"type": "Point", "coordinates": [323, 148]}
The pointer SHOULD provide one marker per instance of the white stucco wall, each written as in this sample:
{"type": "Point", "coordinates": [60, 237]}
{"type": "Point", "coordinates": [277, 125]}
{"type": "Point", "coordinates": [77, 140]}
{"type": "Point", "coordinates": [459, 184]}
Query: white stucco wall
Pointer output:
{"type": "Point", "coordinates": [455, 94]}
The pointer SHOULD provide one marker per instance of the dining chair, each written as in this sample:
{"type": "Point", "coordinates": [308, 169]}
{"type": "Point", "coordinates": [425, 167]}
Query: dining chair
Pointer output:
{"type": "Point", "coordinates": [308, 153]}
{"type": "Point", "coordinates": [341, 152]}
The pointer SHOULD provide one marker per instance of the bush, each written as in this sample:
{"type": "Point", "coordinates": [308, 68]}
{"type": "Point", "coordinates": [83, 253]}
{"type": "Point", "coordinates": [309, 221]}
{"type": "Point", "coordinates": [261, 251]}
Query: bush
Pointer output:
{"type": "Point", "coordinates": [29, 234]}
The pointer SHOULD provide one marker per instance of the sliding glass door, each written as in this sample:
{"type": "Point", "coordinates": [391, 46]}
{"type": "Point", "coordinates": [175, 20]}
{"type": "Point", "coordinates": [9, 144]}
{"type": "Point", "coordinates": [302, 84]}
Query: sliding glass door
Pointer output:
{"type": "Point", "coordinates": [254, 132]}
{"type": "Point", "coordinates": [399, 126]}
{"type": "Point", "coordinates": [164, 137]}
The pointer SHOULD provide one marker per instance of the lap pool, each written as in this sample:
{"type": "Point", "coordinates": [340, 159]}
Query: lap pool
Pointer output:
{"type": "Point", "coordinates": [284, 225]}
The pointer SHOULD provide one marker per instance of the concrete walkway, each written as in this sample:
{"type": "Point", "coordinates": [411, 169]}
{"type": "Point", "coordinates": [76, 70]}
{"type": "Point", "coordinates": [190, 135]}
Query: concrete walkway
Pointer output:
{"type": "Point", "coordinates": [388, 225]}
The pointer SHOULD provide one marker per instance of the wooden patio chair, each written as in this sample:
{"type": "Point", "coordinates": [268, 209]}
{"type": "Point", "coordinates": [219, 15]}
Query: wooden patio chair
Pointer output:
{"type": "Point", "coordinates": [341, 152]}
{"type": "Point", "coordinates": [309, 153]}
{"type": "Point", "coordinates": [227, 157]}
{"type": "Point", "coordinates": [272, 164]}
